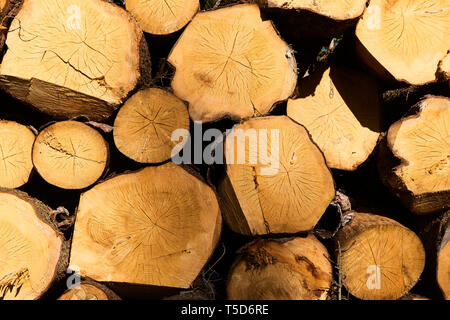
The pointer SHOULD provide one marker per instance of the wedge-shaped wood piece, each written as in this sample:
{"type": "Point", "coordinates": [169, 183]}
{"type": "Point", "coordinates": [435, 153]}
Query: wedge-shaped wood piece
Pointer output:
{"type": "Point", "coordinates": [72, 59]}
{"type": "Point", "coordinates": [32, 251]}
{"type": "Point", "coordinates": [422, 143]}
{"type": "Point", "coordinates": [157, 226]}
{"type": "Point", "coordinates": [16, 142]}
{"type": "Point", "coordinates": [276, 179]}
{"type": "Point", "coordinates": [379, 259]}
{"type": "Point", "coordinates": [281, 269]}
{"type": "Point", "coordinates": [230, 63]}
{"type": "Point", "coordinates": [144, 125]}
{"type": "Point", "coordinates": [70, 155]}
{"type": "Point", "coordinates": [344, 122]}
{"type": "Point", "coordinates": [162, 17]}
{"type": "Point", "coordinates": [405, 40]}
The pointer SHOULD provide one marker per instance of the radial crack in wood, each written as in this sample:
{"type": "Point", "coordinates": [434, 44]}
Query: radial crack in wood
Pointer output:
{"type": "Point", "coordinates": [230, 63]}
{"type": "Point", "coordinates": [157, 226]}
{"type": "Point", "coordinates": [422, 143]}
{"type": "Point", "coordinates": [162, 17]}
{"type": "Point", "coordinates": [379, 258]}
{"type": "Point", "coordinates": [70, 155]}
{"type": "Point", "coordinates": [276, 179]}
{"type": "Point", "coordinates": [16, 142]}
{"type": "Point", "coordinates": [31, 249]}
{"type": "Point", "coordinates": [343, 122]}
{"type": "Point", "coordinates": [71, 60]}
{"type": "Point", "coordinates": [406, 39]}
{"type": "Point", "coordinates": [283, 269]}
{"type": "Point", "coordinates": [144, 125]}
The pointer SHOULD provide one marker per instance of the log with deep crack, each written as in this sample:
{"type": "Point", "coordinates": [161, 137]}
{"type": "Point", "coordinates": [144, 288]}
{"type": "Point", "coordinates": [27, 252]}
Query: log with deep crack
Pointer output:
{"type": "Point", "coordinates": [276, 178]}
{"type": "Point", "coordinates": [72, 60]}
{"type": "Point", "coordinates": [70, 155]}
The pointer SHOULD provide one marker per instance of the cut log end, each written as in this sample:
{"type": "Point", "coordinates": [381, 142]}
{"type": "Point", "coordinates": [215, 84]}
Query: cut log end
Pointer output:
{"type": "Point", "coordinates": [283, 190]}
{"type": "Point", "coordinates": [157, 226]}
{"type": "Point", "coordinates": [25, 238]}
{"type": "Point", "coordinates": [421, 142]}
{"type": "Point", "coordinates": [337, 10]}
{"type": "Point", "coordinates": [16, 142]}
{"type": "Point", "coordinates": [345, 124]}
{"type": "Point", "coordinates": [72, 60]}
{"type": "Point", "coordinates": [89, 290]}
{"type": "Point", "coordinates": [162, 17]}
{"type": "Point", "coordinates": [240, 70]}
{"type": "Point", "coordinates": [287, 269]}
{"type": "Point", "coordinates": [389, 33]}
{"type": "Point", "coordinates": [144, 125]}
{"type": "Point", "coordinates": [70, 155]}
{"type": "Point", "coordinates": [379, 259]}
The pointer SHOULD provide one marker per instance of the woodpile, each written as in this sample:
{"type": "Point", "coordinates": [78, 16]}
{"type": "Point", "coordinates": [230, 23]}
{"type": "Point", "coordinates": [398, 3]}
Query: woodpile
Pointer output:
{"type": "Point", "coordinates": [296, 151]}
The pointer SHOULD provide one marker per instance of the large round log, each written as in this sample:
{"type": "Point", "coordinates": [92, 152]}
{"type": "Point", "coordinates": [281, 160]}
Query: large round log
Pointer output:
{"type": "Point", "coordinates": [74, 59]}
{"type": "Point", "coordinates": [276, 179]}
{"type": "Point", "coordinates": [378, 258]}
{"type": "Point", "coordinates": [238, 71]}
{"type": "Point", "coordinates": [157, 226]}
{"type": "Point", "coordinates": [405, 40]}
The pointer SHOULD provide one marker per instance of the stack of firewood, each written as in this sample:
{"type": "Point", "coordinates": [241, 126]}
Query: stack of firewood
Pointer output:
{"type": "Point", "coordinates": [317, 131]}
